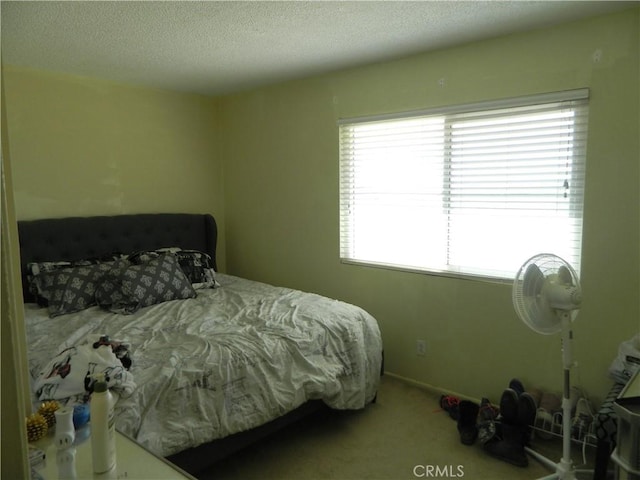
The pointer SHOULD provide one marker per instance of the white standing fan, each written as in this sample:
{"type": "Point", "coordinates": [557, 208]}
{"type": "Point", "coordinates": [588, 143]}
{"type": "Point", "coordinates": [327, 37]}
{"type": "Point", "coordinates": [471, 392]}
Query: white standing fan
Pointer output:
{"type": "Point", "coordinates": [546, 296]}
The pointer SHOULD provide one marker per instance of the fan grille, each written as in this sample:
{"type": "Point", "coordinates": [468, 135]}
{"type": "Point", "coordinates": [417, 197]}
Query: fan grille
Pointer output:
{"type": "Point", "coordinates": [532, 307]}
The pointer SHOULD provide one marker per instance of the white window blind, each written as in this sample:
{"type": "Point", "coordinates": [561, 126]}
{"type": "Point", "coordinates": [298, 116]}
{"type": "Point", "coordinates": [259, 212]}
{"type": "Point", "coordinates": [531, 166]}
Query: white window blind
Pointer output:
{"type": "Point", "coordinates": [475, 189]}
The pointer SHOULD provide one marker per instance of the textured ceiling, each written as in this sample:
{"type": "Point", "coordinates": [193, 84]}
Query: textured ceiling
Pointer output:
{"type": "Point", "coordinates": [216, 47]}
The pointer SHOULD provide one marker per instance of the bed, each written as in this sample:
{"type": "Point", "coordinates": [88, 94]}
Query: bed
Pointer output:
{"type": "Point", "coordinates": [207, 368]}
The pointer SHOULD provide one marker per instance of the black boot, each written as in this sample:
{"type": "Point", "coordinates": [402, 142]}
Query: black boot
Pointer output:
{"type": "Point", "coordinates": [510, 448]}
{"type": "Point", "coordinates": [518, 413]}
{"type": "Point", "coordinates": [468, 414]}
{"type": "Point", "coordinates": [509, 407]}
{"type": "Point", "coordinates": [526, 415]}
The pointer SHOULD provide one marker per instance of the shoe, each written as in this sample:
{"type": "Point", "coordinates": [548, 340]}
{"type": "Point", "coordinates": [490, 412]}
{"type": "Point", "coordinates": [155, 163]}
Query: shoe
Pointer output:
{"type": "Point", "coordinates": [549, 405]}
{"type": "Point", "coordinates": [550, 402]}
{"type": "Point", "coordinates": [544, 422]}
{"type": "Point", "coordinates": [510, 448]}
{"type": "Point", "coordinates": [450, 404]}
{"type": "Point", "coordinates": [468, 415]}
{"type": "Point", "coordinates": [526, 414]}
{"type": "Point", "coordinates": [517, 386]}
{"type": "Point", "coordinates": [536, 394]}
{"type": "Point", "coordinates": [575, 394]}
{"type": "Point", "coordinates": [526, 410]}
{"type": "Point", "coordinates": [509, 407]}
{"type": "Point", "coordinates": [582, 419]}
{"type": "Point", "coordinates": [486, 424]}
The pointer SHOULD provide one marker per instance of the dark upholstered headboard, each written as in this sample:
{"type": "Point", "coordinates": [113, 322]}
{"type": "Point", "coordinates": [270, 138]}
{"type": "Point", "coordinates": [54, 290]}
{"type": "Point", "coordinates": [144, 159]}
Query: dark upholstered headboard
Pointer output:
{"type": "Point", "coordinates": [76, 238]}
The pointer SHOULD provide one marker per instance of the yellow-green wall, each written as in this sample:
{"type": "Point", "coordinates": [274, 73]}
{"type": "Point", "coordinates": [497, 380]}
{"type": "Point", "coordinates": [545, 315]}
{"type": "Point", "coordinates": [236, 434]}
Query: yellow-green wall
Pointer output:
{"type": "Point", "coordinates": [83, 146]}
{"type": "Point", "coordinates": [281, 194]}
{"type": "Point", "coordinates": [265, 164]}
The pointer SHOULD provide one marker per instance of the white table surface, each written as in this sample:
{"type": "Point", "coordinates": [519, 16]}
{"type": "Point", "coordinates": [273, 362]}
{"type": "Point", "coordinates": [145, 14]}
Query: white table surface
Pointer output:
{"type": "Point", "coordinates": [133, 462]}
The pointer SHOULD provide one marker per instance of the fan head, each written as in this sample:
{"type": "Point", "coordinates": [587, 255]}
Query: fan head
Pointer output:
{"type": "Point", "coordinates": [546, 288]}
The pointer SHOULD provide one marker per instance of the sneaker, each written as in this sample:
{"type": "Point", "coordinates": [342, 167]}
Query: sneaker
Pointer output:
{"type": "Point", "coordinates": [487, 415]}
{"type": "Point", "coordinates": [549, 405]}
{"type": "Point", "coordinates": [450, 405]}
{"type": "Point", "coordinates": [544, 424]}
{"type": "Point", "coordinates": [574, 395]}
{"type": "Point", "coordinates": [582, 419]}
{"type": "Point", "coordinates": [550, 402]}
{"type": "Point", "coordinates": [536, 394]}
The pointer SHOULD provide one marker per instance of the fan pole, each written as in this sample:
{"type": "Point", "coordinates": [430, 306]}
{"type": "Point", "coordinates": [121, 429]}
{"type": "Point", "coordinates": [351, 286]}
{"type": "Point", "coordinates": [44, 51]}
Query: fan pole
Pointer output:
{"type": "Point", "coordinates": [565, 467]}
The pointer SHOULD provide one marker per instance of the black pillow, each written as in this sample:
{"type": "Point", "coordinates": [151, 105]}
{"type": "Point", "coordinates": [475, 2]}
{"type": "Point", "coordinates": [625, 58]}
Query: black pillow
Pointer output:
{"type": "Point", "coordinates": [129, 288]}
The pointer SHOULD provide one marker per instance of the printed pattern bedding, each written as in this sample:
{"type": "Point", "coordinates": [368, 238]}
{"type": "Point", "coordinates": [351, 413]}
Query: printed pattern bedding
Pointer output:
{"type": "Point", "coordinates": [230, 359]}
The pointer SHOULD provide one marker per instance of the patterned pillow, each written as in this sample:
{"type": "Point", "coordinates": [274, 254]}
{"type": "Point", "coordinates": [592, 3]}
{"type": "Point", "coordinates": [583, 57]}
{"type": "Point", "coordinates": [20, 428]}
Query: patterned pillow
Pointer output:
{"type": "Point", "coordinates": [125, 290]}
{"type": "Point", "coordinates": [196, 265]}
{"type": "Point", "coordinates": [71, 289]}
{"type": "Point", "coordinates": [34, 269]}
{"type": "Point", "coordinates": [145, 256]}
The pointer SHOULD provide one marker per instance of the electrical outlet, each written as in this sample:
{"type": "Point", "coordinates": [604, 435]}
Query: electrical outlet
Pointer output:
{"type": "Point", "coordinates": [421, 348]}
{"type": "Point", "coordinates": [597, 56]}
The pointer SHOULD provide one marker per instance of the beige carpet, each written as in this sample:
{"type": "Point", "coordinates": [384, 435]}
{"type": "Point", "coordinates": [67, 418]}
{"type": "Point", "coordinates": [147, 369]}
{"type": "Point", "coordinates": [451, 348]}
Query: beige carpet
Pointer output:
{"type": "Point", "coordinates": [404, 435]}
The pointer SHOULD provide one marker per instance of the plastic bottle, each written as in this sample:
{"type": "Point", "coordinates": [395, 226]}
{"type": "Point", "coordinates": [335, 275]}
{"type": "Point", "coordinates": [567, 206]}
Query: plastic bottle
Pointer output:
{"type": "Point", "coordinates": [103, 433]}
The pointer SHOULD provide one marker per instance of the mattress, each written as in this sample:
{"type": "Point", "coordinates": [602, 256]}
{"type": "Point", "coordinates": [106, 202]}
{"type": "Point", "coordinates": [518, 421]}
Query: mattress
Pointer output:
{"type": "Point", "coordinates": [228, 360]}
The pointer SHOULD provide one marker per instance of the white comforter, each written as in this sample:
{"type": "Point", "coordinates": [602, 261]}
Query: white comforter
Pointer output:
{"type": "Point", "coordinates": [230, 359]}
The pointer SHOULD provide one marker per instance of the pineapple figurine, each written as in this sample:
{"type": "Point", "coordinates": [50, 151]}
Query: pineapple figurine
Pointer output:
{"type": "Point", "coordinates": [47, 410]}
{"type": "Point", "coordinates": [36, 427]}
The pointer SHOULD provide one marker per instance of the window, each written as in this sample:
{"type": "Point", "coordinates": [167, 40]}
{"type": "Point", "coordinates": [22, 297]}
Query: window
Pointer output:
{"type": "Point", "coordinates": [471, 190]}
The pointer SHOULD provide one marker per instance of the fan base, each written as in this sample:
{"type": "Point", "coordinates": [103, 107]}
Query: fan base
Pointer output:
{"type": "Point", "coordinates": [563, 469]}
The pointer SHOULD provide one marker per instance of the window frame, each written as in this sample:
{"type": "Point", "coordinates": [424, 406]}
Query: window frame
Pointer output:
{"type": "Point", "coordinates": [569, 97]}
